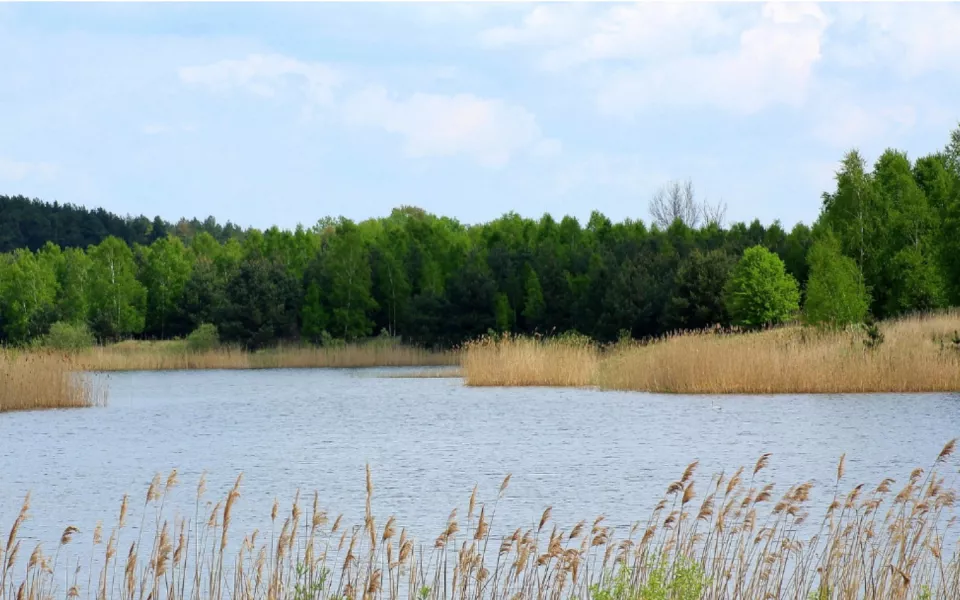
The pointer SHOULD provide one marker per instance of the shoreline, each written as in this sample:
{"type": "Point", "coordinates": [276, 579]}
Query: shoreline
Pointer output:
{"type": "Point", "coordinates": [916, 355]}
{"type": "Point", "coordinates": [919, 354]}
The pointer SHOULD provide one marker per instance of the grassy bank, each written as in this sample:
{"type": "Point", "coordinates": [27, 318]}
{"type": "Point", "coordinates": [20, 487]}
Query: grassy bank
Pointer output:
{"type": "Point", "coordinates": [732, 536]}
{"type": "Point", "coordinates": [30, 381]}
{"type": "Point", "coordinates": [918, 354]}
{"type": "Point", "coordinates": [175, 355]}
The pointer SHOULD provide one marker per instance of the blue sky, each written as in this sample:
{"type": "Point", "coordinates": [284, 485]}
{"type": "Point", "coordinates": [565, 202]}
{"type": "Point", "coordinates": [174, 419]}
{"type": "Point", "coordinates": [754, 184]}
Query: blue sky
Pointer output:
{"type": "Point", "coordinates": [282, 113]}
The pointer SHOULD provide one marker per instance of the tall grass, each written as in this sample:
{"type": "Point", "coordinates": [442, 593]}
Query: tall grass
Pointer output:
{"type": "Point", "coordinates": [917, 354]}
{"type": "Point", "coordinates": [176, 355]}
{"type": "Point", "coordinates": [523, 361]}
{"type": "Point", "coordinates": [733, 536]}
{"type": "Point", "coordinates": [35, 380]}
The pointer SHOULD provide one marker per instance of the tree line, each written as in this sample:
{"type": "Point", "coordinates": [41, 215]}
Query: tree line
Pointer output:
{"type": "Point", "coordinates": [886, 243]}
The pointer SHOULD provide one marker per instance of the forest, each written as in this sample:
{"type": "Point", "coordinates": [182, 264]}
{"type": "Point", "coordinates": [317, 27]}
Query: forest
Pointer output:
{"type": "Point", "coordinates": [886, 243]}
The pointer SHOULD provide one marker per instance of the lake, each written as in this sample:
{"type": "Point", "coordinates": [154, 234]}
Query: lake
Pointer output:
{"type": "Point", "coordinates": [429, 441]}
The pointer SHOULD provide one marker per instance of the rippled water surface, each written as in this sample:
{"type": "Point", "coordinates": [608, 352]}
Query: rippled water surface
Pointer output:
{"type": "Point", "coordinates": [429, 441]}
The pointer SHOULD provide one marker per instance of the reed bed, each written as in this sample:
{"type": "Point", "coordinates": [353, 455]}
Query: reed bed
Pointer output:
{"type": "Point", "coordinates": [530, 361]}
{"type": "Point", "coordinates": [917, 354]}
{"type": "Point", "coordinates": [735, 536]}
{"type": "Point", "coordinates": [160, 356]}
{"type": "Point", "coordinates": [35, 381]}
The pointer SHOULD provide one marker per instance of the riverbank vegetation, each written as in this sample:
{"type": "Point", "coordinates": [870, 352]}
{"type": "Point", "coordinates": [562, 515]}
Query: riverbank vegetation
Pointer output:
{"type": "Point", "coordinates": [910, 354]}
{"type": "Point", "coordinates": [734, 535]}
{"type": "Point", "coordinates": [178, 355]}
{"type": "Point", "coordinates": [886, 244]}
{"type": "Point", "coordinates": [37, 380]}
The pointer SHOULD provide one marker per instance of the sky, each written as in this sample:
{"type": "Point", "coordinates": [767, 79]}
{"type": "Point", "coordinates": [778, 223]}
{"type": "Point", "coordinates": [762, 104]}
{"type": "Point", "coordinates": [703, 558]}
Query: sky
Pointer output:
{"type": "Point", "coordinates": [278, 114]}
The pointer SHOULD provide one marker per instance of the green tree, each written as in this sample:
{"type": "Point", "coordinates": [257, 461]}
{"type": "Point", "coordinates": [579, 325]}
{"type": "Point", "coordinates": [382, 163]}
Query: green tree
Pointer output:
{"type": "Point", "coordinates": [636, 297]}
{"type": "Point", "coordinates": [469, 311]}
{"type": "Point", "coordinates": [391, 285]}
{"type": "Point", "coordinates": [951, 153]}
{"type": "Point", "coordinates": [262, 301]}
{"type": "Point", "coordinates": [760, 292]}
{"type": "Point", "coordinates": [347, 283]}
{"type": "Point", "coordinates": [167, 269]}
{"type": "Point", "coordinates": [697, 301]}
{"type": "Point", "coordinates": [313, 317]}
{"type": "Point", "coordinates": [204, 295]}
{"type": "Point", "coordinates": [117, 299]}
{"type": "Point", "coordinates": [859, 214]}
{"type": "Point", "coordinates": [503, 312]}
{"type": "Point", "coordinates": [836, 294]}
{"type": "Point", "coordinates": [73, 274]}
{"type": "Point", "coordinates": [534, 306]}
{"type": "Point", "coordinates": [28, 289]}
{"type": "Point", "coordinates": [916, 283]}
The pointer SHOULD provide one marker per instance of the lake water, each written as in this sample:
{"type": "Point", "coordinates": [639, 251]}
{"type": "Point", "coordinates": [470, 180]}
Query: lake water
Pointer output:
{"type": "Point", "coordinates": [429, 441]}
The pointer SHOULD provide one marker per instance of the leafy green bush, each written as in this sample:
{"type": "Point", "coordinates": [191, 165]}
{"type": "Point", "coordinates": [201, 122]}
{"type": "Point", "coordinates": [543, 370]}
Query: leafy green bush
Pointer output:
{"type": "Point", "coordinates": [203, 338]}
{"type": "Point", "coordinates": [684, 580]}
{"type": "Point", "coordinates": [760, 292]}
{"type": "Point", "coordinates": [573, 338]}
{"type": "Point", "coordinates": [328, 341]}
{"type": "Point", "coordinates": [68, 336]}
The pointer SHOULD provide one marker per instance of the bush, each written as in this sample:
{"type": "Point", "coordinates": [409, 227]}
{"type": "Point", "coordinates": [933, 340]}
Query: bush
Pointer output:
{"type": "Point", "coordinates": [68, 336]}
{"type": "Point", "coordinates": [328, 341]}
{"type": "Point", "coordinates": [686, 580]}
{"type": "Point", "coordinates": [760, 292]}
{"type": "Point", "coordinates": [203, 338]}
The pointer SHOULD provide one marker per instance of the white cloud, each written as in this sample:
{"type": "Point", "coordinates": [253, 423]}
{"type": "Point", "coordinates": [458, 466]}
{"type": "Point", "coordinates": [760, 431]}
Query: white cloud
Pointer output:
{"type": "Point", "coordinates": [266, 75]}
{"type": "Point", "coordinates": [680, 54]}
{"type": "Point", "coordinates": [578, 34]}
{"type": "Point", "coordinates": [772, 64]}
{"type": "Point", "coordinates": [908, 38]}
{"type": "Point", "coordinates": [543, 25]}
{"type": "Point", "coordinates": [488, 130]}
{"type": "Point", "coordinates": [12, 170]}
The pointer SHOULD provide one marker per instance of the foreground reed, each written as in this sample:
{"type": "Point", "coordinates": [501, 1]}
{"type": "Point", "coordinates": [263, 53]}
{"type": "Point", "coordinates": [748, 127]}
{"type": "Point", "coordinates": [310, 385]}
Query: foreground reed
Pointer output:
{"type": "Point", "coordinates": [734, 537]}
{"type": "Point", "coordinates": [45, 380]}
{"type": "Point", "coordinates": [917, 354]}
{"type": "Point", "coordinates": [169, 356]}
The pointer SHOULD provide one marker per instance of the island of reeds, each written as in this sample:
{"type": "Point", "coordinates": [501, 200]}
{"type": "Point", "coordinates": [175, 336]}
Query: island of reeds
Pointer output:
{"type": "Point", "coordinates": [141, 293]}
{"type": "Point", "coordinates": [735, 535]}
{"type": "Point", "coordinates": [37, 380]}
{"type": "Point", "coordinates": [909, 354]}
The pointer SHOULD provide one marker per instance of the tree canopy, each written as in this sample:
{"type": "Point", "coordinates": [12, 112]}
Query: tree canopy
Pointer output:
{"type": "Point", "coordinates": [836, 294]}
{"type": "Point", "coordinates": [886, 242]}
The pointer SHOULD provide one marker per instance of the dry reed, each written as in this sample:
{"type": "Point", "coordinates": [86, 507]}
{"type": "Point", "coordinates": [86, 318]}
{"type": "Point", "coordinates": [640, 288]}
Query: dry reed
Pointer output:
{"type": "Point", "coordinates": [918, 354]}
{"type": "Point", "coordinates": [36, 380]}
{"type": "Point", "coordinates": [522, 361]}
{"type": "Point", "coordinates": [735, 536]}
{"type": "Point", "coordinates": [161, 356]}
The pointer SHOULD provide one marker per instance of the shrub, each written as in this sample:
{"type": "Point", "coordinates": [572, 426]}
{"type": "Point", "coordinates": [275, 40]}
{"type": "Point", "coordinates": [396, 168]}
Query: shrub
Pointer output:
{"type": "Point", "coordinates": [760, 292]}
{"type": "Point", "coordinates": [686, 580]}
{"type": "Point", "coordinates": [68, 336]}
{"type": "Point", "coordinates": [203, 338]}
